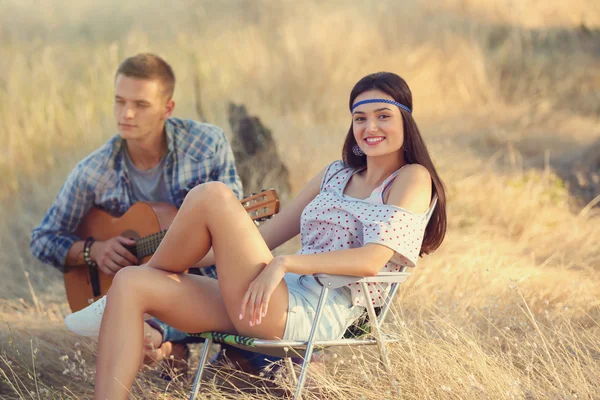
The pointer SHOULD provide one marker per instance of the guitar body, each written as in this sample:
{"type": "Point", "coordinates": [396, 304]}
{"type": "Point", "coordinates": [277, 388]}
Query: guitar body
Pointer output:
{"type": "Point", "coordinates": [147, 223]}
{"type": "Point", "coordinates": [141, 220]}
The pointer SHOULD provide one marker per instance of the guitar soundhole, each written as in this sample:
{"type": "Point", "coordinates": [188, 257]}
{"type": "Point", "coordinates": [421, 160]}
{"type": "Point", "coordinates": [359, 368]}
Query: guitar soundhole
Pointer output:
{"type": "Point", "coordinates": [131, 234]}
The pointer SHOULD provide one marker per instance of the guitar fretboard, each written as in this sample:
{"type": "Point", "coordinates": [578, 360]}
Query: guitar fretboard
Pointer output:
{"type": "Point", "coordinates": [148, 244]}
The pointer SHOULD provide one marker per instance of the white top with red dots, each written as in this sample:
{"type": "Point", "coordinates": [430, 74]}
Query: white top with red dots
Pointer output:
{"type": "Point", "coordinates": [335, 221]}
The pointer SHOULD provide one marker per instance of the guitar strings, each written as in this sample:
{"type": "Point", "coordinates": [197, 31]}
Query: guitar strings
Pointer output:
{"type": "Point", "coordinates": [149, 244]}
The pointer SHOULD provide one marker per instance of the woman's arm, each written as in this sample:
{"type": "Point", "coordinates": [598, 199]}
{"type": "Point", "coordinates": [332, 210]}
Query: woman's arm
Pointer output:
{"type": "Point", "coordinates": [284, 225]}
{"type": "Point", "coordinates": [411, 190]}
{"type": "Point", "coordinates": [363, 261]}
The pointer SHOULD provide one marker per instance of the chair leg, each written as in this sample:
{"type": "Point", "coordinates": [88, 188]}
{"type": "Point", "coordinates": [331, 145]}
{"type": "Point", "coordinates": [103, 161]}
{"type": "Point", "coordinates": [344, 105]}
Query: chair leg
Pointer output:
{"type": "Point", "coordinates": [375, 327]}
{"type": "Point", "coordinates": [310, 344]}
{"type": "Point", "coordinates": [201, 365]}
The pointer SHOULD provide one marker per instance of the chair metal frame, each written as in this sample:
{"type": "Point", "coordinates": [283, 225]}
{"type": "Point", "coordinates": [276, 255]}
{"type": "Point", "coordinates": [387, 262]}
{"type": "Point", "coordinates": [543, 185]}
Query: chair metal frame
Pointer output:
{"type": "Point", "coordinates": [287, 349]}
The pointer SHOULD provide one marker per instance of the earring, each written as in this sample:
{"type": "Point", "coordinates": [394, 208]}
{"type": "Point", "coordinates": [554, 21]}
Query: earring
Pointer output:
{"type": "Point", "coordinates": [357, 151]}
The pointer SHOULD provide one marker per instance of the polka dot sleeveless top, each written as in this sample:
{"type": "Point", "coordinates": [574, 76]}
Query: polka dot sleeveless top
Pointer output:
{"type": "Point", "coordinates": [335, 221]}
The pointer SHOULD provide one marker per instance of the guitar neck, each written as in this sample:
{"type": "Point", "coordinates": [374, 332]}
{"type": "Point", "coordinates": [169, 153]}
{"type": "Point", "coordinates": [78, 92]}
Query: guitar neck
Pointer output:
{"type": "Point", "coordinates": [147, 245]}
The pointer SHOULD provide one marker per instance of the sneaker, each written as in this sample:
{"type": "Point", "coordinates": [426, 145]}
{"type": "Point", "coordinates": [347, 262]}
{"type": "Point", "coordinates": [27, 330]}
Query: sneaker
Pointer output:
{"type": "Point", "coordinates": [86, 322]}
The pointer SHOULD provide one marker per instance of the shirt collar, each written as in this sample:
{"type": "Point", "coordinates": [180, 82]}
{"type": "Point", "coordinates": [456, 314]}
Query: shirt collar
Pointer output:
{"type": "Point", "coordinates": [116, 156]}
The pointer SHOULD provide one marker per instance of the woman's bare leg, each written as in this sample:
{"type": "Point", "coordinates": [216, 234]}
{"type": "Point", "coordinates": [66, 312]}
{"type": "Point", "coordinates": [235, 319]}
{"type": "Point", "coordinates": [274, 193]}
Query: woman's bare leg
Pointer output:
{"type": "Point", "coordinates": [210, 215]}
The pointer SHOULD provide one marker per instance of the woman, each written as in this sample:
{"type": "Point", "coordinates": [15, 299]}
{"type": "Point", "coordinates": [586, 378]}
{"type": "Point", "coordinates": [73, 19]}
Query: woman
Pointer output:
{"type": "Point", "coordinates": [357, 217]}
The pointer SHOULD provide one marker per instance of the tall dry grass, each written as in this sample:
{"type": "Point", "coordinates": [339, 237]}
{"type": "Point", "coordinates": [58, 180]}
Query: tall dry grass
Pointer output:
{"type": "Point", "coordinates": [507, 308]}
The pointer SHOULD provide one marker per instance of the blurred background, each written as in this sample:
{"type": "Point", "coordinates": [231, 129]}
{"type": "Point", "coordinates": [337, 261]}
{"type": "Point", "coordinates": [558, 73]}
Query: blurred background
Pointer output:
{"type": "Point", "coordinates": [507, 97]}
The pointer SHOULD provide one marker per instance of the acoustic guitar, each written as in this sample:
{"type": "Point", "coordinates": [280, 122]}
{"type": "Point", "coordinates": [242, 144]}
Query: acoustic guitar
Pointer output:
{"type": "Point", "coordinates": [147, 223]}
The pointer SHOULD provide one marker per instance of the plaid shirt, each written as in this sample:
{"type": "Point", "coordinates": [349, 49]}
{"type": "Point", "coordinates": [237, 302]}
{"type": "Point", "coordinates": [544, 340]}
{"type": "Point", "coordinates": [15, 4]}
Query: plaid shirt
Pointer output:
{"type": "Point", "coordinates": [197, 153]}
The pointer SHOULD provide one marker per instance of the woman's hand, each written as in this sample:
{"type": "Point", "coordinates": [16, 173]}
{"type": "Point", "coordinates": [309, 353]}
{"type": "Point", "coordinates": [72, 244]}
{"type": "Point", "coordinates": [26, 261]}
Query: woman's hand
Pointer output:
{"type": "Point", "coordinates": [256, 300]}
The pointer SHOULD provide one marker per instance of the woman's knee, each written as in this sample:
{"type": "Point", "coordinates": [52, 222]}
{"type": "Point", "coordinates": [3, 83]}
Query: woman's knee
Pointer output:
{"type": "Point", "coordinates": [211, 193]}
{"type": "Point", "coordinates": [129, 280]}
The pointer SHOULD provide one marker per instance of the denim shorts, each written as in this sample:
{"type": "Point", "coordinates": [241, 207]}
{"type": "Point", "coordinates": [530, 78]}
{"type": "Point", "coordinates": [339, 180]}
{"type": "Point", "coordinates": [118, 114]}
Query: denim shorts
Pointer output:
{"type": "Point", "coordinates": [338, 313]}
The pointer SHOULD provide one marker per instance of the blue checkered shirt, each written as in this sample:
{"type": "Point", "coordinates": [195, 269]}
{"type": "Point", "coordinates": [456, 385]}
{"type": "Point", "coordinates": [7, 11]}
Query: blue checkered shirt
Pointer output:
{"type": "Point", "coordinates": [197, 153]}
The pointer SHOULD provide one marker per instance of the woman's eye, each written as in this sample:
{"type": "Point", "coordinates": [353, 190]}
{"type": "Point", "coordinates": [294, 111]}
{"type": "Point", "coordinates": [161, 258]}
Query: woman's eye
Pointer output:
{"type": "Point", "coordinates": [359, 119]}
{"type": "Point", "coordinates": [384, 116]}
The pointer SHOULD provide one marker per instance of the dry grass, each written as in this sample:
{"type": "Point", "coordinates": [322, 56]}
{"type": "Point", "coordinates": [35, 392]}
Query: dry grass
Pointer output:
{"type": "Point", "coordinates": [508, 307]}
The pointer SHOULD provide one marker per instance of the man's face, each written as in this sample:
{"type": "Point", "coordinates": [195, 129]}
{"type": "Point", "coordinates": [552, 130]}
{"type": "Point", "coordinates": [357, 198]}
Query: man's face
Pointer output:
{"type": "Point", "coordinates": [140, 107]}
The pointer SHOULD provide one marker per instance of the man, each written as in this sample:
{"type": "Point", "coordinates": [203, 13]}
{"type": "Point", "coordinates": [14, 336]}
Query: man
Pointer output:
{"type": "Point", "coordinates": [154, 157]}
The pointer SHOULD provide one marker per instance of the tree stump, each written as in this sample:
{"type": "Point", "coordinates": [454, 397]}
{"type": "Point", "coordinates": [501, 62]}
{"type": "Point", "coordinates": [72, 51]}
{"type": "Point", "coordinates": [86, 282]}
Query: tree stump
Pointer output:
{"type": "Point", "coordinates": [256, 157]}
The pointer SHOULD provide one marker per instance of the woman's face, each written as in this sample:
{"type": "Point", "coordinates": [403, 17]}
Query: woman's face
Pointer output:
{"type": "Point", "coordinates": [378, 127]}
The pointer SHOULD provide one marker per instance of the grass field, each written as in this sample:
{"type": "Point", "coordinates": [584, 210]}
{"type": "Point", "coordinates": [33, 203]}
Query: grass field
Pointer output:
{"type": "Point", "coordinates": [506, 95]}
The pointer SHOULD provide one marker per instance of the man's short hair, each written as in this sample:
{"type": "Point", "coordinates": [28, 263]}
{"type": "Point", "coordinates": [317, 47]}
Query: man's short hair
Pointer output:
{"type": "Point", "coordinates": [149, 66]}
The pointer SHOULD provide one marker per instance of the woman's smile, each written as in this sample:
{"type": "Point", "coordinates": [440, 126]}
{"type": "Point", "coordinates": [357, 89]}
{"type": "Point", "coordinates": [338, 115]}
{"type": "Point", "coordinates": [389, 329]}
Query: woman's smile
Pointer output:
{"type": "Point", "coordinates": [374, 140]}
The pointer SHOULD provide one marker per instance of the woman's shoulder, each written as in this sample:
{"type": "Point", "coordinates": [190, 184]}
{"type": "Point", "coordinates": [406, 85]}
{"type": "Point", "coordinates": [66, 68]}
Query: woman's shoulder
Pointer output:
{"type": "Point", "coordinates": [411, 190]}
{"type": "Point", "coordinates": [415, 171]}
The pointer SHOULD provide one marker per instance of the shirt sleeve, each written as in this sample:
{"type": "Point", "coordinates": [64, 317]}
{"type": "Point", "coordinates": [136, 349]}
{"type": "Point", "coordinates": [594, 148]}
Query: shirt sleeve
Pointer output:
{"type": "Point", "coordinates": [397, 229]}
{"type": "Point", "coordinates": [52, 239]}
{"type": "Point", "coordinates": [224, 167]}
{"type": "Point", "coordinates": [330, 172]}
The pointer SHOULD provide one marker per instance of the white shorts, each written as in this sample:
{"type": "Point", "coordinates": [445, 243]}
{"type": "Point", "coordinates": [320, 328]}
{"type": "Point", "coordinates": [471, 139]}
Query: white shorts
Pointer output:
{"type": "Point", "coordinates": [338, 313]}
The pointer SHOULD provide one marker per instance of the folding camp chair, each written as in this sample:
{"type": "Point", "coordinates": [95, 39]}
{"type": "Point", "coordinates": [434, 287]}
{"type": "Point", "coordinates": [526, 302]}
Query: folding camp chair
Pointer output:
{"type": "Point", "coordinates": [287, 349]}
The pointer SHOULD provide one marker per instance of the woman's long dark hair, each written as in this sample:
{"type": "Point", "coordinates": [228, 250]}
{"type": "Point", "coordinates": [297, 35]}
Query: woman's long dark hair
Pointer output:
{"type": "Point", "coordinates": [415, 151]}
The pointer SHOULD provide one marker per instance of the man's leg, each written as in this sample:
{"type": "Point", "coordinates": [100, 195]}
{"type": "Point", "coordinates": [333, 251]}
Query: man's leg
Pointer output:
{"type": "Point", "coordinates": [169, 345]}
{"type": "Point", "coordinates": [163, 341]}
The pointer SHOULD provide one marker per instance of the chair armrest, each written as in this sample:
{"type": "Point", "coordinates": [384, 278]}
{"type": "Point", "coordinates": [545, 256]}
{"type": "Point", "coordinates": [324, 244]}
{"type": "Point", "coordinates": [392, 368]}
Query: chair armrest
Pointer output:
{"type": "Point", "coordinates": [337, 281]}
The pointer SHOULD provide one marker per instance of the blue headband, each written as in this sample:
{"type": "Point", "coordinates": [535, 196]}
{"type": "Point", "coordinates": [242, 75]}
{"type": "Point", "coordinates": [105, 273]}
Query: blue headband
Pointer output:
{"type": "Point", "coordinates": [402, 106]}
